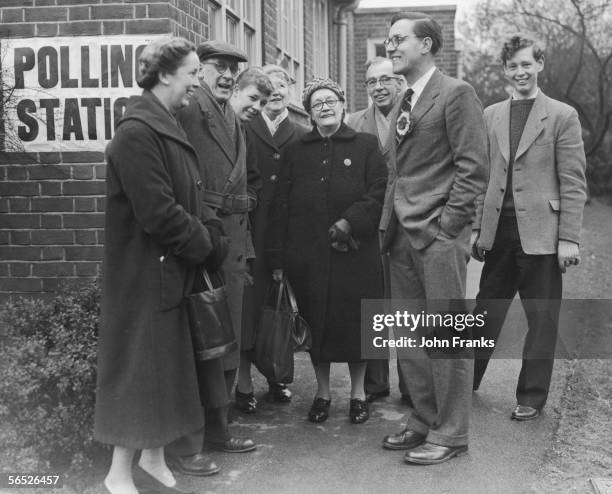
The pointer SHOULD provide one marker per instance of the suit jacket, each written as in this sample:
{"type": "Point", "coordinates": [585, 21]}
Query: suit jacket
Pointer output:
{"type": "Point", "coordinates": [365, 121]}
{"type": "Point", "coordinates": [548, 179]}
{"type": "Point", "coordinates": [439, 168]}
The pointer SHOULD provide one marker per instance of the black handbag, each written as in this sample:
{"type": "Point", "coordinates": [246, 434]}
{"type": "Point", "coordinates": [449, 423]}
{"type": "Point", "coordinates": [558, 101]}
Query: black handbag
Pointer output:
{"type": "Point", "coordinates": [210, 321]}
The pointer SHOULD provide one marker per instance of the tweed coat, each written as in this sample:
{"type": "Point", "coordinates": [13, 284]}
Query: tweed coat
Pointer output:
{"type": "Point", "coordinates": [217, 136]}
{"type": "Point", "coordinates": [365, 121]}
{"type": "Point", "coordinates": [147, 392]}
{"type": "Point", "coordinates": [323, 180]}
{"type": "Point", "coordinates": [268, 149]}
{"type": "Point", "coordinates": [440, 168]}
{"type": "Point", "coordinates": [548, 180]}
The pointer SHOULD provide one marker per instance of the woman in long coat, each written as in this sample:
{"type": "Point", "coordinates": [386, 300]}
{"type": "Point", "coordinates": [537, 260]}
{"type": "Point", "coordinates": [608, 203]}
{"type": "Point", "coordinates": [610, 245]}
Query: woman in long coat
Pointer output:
{"type": "Point", "coordinates": [155, 239]}
{"type": "Point", "coordinates": [324, 237]}
{"type": "Point", "coordinates": [267, 135]}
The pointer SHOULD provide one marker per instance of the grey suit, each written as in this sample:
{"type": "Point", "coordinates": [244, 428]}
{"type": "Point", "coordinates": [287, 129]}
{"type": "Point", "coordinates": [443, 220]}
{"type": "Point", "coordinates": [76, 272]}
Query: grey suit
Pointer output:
{"type": "Point", "coordinates": [436, 173]}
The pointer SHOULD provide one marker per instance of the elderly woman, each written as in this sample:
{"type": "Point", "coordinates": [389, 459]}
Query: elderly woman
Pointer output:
{"type": "Point", "coordinates": [324, 237]}
{"type": "Point", "coordinates": [155, 242]}
{"type": "Point", "coordinates": [268, 134]}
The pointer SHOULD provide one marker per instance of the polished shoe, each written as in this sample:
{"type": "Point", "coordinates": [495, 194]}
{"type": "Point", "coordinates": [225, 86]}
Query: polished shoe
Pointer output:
{"type": "Point", "coordinates": [279, 392]}
{"type": "Point", "coordinates": [234, 445]}
{"type": "Point", "coordinates": [524, 412]}
{"type": "Point", "coordinates": [407, 439]}
{"type": "Point", "coordinates": [431, 454]}
{"type": "Point", "coordinates": [375, 395]}
{"type": "Point", "coordinates": [359, 411]}
{"type": "Point", "coordinates": [319, 411]}
{"type": "Point", "coordinates": [145, 482]}
{"type": "Point", "coordinates": [246, 402]}
{"type": "Point", "coordinates": [198, 465]}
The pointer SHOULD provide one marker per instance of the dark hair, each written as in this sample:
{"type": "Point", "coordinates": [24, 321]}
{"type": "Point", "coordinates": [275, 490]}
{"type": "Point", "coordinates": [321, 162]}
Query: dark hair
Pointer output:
{"type": "Point", "coordinates": [517, 42]}
{"type": "Point", "coordinates": [255, 76]}
{"type": "Point", "coordinates": [424, 27]}
{"type": "Point", "coordinates": [163, 55]}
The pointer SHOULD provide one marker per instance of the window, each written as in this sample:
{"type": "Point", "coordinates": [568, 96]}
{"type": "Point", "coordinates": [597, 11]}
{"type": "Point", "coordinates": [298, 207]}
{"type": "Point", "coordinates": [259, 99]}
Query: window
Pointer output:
{"type": "Point", "coordinates": [290, 46]}
{"type": "Point", "coordinates": [235, 21]}
{"type": "Point", "coordinates": [376, 48]}
{"type": "Point", "coordinates": [320, 39]}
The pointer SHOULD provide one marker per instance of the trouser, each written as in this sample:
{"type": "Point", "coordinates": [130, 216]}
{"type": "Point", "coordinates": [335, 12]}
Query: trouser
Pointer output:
{"type": "Point", "coordinates": [440, 388]}
{"type": "Point", "coordinates": [508, 270]}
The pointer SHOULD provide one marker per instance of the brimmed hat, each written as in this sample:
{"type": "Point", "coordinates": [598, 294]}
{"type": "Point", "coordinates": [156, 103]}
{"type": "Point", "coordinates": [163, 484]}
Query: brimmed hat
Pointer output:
{"type": "Point", "coordinates": [320, 83]}
{"type": "Point", "coordinates": [213, 48]}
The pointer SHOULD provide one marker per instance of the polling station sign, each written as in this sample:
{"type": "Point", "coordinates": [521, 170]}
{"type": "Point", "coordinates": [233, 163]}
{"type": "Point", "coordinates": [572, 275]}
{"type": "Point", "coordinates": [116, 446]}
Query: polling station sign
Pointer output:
{"type": "Point", "coordinates": [67, 93]}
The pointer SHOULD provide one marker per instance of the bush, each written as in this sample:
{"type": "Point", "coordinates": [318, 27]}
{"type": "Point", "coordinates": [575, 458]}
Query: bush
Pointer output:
{"type": "Point", "coordinates": [47, 391]}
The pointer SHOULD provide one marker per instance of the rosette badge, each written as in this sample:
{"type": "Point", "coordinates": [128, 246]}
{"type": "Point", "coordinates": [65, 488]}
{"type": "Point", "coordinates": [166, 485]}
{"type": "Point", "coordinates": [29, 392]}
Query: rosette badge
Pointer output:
{"type": "Point", "coordinates": [404, 124]}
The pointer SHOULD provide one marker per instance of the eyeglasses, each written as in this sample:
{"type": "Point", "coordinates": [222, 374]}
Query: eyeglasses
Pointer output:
{"type": "Point", "coordinates": [396, 40]}
{"type": "Point", "coordinates": [385, 80]}
{"type": "Point", "coordinates": [223, 66]}
{"type": "Point", "coordinates": [330, 102]}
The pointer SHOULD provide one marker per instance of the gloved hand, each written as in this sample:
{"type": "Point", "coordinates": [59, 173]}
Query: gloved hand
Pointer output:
{"type": "Point", "coordinates": [340, 231]}
{"type": "Point", "coordinates": [220, 244]}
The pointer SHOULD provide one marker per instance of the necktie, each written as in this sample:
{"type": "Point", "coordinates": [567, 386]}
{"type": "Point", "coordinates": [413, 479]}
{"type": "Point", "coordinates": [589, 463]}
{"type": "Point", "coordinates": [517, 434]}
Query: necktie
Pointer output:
{"type": "Point", "coordinates": [402, 126]}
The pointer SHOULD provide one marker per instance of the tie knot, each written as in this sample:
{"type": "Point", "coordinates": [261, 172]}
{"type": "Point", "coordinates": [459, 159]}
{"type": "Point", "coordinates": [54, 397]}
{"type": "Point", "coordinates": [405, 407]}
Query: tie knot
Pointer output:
{"type": "Point", "coordinates": [408, 94]}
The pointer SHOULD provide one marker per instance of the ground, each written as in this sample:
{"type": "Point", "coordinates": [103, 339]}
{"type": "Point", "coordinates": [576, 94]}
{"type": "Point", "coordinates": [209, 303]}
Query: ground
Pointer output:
{"type": "Point", "coordinates": [559, 452]}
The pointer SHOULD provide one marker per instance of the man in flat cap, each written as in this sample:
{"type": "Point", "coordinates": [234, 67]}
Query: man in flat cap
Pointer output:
{"type": "Point", "coordinates": [230, 188]}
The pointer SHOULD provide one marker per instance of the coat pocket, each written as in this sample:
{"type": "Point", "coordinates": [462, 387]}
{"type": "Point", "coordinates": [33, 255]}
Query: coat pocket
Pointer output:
{"type": "Point", "coordinates": [172, 282]}
{"type": "Point", "coordinates": [555, 204]}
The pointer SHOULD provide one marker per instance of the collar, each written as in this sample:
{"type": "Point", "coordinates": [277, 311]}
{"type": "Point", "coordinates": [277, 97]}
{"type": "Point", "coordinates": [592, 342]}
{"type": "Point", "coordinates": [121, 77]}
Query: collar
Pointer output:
{"type": "Point", "coordinates": [274, 124]}
{"type": "Point", "coordinates": [420, 84]}
{"type": "Point", "coordinates": [343, 133]}
{"type": "Point", "coordinates": [532, 97]}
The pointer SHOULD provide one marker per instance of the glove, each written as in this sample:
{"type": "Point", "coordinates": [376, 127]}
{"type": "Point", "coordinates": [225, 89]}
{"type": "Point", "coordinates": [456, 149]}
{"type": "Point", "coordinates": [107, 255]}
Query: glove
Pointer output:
{"type": "Point", "coordinates": [340, 231]}
{"type": "Point", "coordinates": [220, 244]}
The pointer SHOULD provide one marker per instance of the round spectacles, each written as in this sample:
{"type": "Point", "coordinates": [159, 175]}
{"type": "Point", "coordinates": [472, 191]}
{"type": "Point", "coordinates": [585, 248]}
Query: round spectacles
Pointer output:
{"type": "Point", "coordinates": [395, 41]}
{"type": "Point", "coordinates": [330, 102]}
{"type": "Point", "coordinates": [385, 80]}
{"type": "Point", "coordinates": [223, 66]}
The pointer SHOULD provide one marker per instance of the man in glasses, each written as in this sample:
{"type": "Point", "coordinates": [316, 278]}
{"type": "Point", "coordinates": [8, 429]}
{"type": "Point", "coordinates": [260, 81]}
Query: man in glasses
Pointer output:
{"type": "Point", "coordinates": [438, 156]}
{"type": "Point", "coordinates": [384, 88]}
{"type": "Point", "coordinates": [229, 185]}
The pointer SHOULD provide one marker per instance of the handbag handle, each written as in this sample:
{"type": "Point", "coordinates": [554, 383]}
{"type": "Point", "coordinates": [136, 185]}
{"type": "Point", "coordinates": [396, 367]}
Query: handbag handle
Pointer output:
{"type": "Point", "coordinates": [279, 296]}
{"type": "Point", "coordinates": [291, 296]}
{"type": "Point", "coordinates": [207, 280]}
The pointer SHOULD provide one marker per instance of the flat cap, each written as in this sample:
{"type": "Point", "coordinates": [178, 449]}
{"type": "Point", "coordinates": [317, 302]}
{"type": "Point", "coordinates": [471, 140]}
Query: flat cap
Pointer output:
{"type": "Point", "coordinates": [214, 48]}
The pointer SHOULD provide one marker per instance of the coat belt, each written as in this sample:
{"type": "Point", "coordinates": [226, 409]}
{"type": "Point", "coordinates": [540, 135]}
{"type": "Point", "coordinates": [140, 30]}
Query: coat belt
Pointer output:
{"type": "Point", "coordinates": [229, 203]}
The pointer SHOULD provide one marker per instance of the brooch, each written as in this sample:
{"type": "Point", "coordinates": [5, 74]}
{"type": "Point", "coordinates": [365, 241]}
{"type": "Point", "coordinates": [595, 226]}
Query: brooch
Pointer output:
{"type": "Point", "coordinates": [347, 162]}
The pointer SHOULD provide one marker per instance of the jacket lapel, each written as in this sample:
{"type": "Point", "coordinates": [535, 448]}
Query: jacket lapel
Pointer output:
{"type": "Point", "coordinates": [284, 133]}
{"type": "Point", "coordinates": [501, 124]}
{"type": "Point", "coordinates": [369, 121]}
{"type": "Point", "coordinates": [259, 127]}
{"type": "Point", "coordinates": [534, 125]}
{"type": "Point", "coordinates": [215, 119]}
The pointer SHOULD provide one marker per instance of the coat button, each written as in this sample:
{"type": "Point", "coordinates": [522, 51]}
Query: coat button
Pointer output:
{"type": "Point", "coordinates": [322, 179]}
{"type": "Point", "coordinates": [497, 209]}
{"type": "Point", "coordinates": [325, 161]}
{"type": "Point", "coordinates": [276, 156]}
{"type": "Point", "coordinates": [518, 189]}
{"type": "Point", "coordinates": [273, 178]}
{"type": "Point", "coordinates": [199, 184]}
{"type": "Point", "coordinates": [502, 190]}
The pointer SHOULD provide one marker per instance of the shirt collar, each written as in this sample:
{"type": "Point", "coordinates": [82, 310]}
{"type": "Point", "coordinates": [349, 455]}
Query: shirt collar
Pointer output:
{"type": "Point", "coordinates": [420, 84]}
{"type": "Point", "coordinates": [532, 97]}
{"type": "Point", "coordinates": [274, 124]}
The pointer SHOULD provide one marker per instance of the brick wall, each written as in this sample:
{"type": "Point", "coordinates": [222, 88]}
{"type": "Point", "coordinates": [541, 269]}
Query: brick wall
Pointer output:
{"type": "Point", "coordinates": [374, 23]}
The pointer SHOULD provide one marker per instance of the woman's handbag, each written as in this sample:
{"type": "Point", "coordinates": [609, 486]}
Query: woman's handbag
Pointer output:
{"type": "Point", "coordinates": [280, 332]}
{"type": "Point", "coordinates": [210, 321]}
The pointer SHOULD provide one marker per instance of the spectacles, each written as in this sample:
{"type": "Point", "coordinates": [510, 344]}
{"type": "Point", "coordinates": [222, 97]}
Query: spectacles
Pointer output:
{"type": "Point", "coordinates": [385, 80]}
{"type": "Point", "coordinates": [396, 40]}
{"type": "Point", "coordinates": [223, 66]}
{"type": "Point", "coordinates": [330, 102]}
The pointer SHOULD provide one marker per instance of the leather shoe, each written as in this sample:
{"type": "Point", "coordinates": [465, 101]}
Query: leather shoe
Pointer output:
{"type": "Point", "coordinates": [359, 411]}
{"type": "Point", "coordinates": [524, 412]}
{"type": "Point", "coordinates": [407, 439]}
{"type": "Point", "coordinates": [319, 411]}
{"type": "Point", "coordinates": [145, 482]}
{"type": "Point", "coordinates": [431, 454]}
{"type": "Point", "coordinates": [375, 395]}
{"type": "Point", "coordinates": [198, 465]}
{"type": "Point", "coordinates": [234, 445]}
{"type": "Point", "coordinates": [279, 392]}
{"type": "Point", "coordinates": [246, 402]}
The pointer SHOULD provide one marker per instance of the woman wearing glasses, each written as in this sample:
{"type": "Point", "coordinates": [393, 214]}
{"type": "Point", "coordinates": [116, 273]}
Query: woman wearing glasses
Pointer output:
{"type": "Point", "coordinates": [323, 236]}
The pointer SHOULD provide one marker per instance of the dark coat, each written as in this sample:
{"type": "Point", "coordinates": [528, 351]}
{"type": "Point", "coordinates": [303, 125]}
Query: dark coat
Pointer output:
{"type": "Point", "coordinates": [217, 136]}
{"type": "Point", "coordinates": [268, 150]}
{"type": "Point", "coordinates": [323, 180]}
{"type": "Point", "coordinates": [147, 393]}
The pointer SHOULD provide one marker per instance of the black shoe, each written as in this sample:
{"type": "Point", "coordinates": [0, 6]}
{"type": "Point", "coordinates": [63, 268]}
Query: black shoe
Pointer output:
{"type": "Point", "coordinates": [199, 465]}
{"type": "Point", "coordinates": [406, 439]}
{"type": "Point", "coordinates": [246, 402]}
{"type": "Point", "coordinates": [431, 454]}
{"type": "Point", "coordinates": [375, 395]}
{"type": "Point", "coordinates": [279, 392]}
{"type": "Point", "coordinates": [524, 413]}
{"type": "Point", "coordinates": [359, 411]}
{"type": "Point", "coordinates": [234, 445]}
{"type": "Point", "coordinates": [319, 411]}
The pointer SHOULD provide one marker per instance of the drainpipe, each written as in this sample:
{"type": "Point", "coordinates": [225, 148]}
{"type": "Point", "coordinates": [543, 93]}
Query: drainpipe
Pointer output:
{"type": "Point", "coordinates": [341, 20]}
